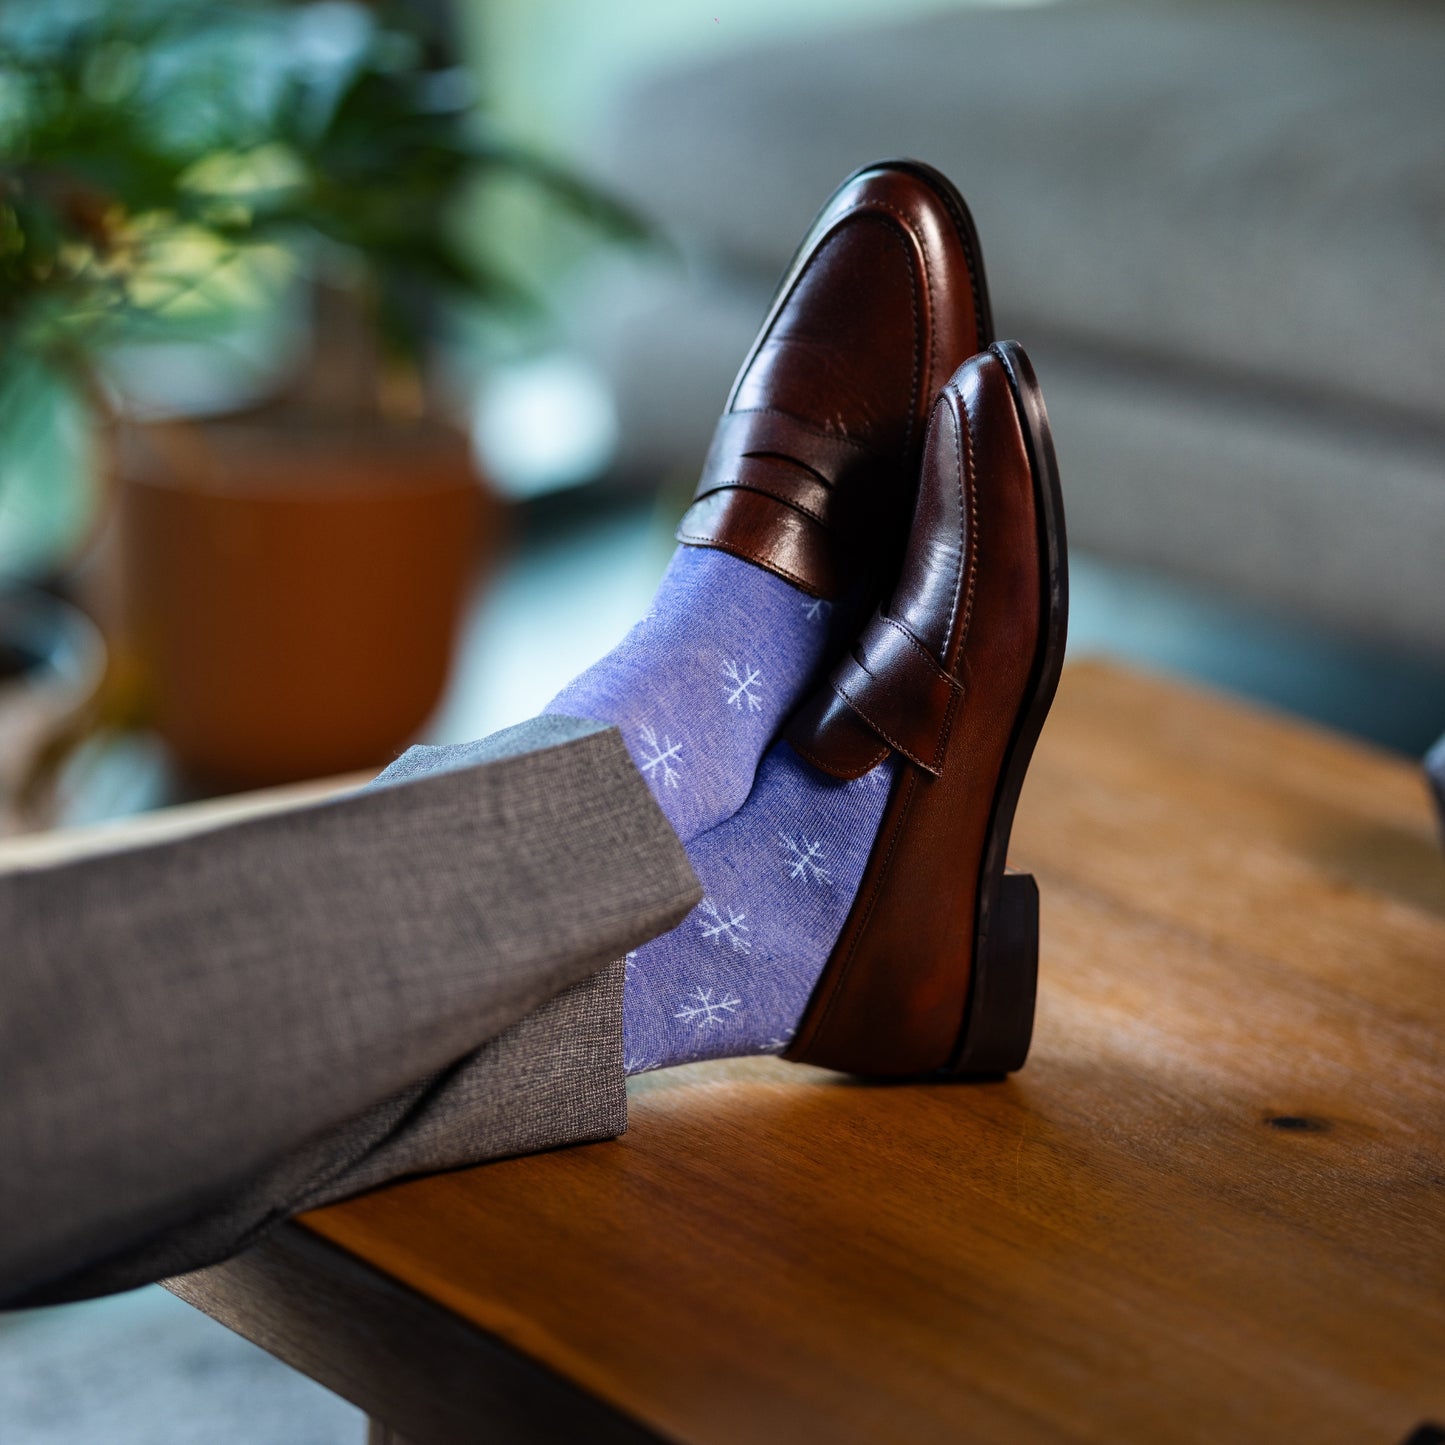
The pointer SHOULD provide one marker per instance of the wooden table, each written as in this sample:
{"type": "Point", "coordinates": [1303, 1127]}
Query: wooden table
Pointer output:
{"type": "Point", "coordinates": [1211, 1208]}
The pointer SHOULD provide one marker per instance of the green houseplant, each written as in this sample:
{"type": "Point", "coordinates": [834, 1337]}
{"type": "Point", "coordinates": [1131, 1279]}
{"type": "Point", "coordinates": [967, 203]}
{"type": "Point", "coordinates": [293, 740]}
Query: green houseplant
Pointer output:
{"type": "Point", "coordinates": [170, 173]}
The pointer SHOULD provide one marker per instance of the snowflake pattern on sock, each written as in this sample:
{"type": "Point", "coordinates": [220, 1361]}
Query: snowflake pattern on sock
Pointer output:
{"type": "Point", "coordinates": [702, 1010]}
{"type": "Point", "coordinates": [740, 684]}
{"type": "Point", "coordinates": [805, 859]}
{"type": "Point", "coordinates": [715, 927]}
{"type": "Point", "coordinates": [779, 879]}
{"type": "Point", "coordinates": [815, 609]}
{"type": "Point", "coordinates": [702, 684]}
{"type": "Point", "coordinates": [662, 754]}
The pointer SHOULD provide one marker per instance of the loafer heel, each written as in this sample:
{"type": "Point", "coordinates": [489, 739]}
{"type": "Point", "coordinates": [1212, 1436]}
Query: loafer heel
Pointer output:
{"type": "Point", "coordinates": [1000, 1019]}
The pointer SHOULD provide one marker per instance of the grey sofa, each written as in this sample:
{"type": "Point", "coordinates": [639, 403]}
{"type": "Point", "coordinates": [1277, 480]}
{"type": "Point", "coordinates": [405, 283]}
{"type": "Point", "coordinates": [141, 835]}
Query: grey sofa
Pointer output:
{"type": "Point", "coordinates": [1219, 228]}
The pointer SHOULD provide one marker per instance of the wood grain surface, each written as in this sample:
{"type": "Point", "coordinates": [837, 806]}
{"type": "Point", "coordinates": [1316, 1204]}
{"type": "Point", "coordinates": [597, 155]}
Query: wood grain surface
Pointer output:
{"type": "Point", "coordinates": [1211, 1208]}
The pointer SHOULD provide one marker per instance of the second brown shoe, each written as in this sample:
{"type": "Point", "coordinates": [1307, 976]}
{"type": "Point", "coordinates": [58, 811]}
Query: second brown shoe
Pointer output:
{"type": "Point", "coordinates": [935, 970]}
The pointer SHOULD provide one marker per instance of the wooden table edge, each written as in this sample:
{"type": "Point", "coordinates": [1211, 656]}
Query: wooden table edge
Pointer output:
{"type": "Point", "coordinates": [429, 1374]}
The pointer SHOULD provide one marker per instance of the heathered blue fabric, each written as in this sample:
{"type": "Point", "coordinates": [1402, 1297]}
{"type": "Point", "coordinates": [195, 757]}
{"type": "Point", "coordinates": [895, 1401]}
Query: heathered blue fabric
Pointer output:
{"type": "Point", "coordinates": [699, 689]}
{"type": "Point", "coordinates": [779, 878]}
{"type": "Point", "coordinates": [701, 685]}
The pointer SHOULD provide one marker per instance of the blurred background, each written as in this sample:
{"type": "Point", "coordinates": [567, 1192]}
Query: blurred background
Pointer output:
{"type": "Point", "coordinates": [356, 362]}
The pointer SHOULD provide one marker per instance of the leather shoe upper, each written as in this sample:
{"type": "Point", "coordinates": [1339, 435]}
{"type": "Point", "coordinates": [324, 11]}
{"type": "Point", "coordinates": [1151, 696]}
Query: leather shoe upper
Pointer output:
{"type": "Point", "coordinates": [813, 465]}
{"type": "Point", "coordinates": [910, 671]}
{"type": "Point", "coordinates": [954, 673]}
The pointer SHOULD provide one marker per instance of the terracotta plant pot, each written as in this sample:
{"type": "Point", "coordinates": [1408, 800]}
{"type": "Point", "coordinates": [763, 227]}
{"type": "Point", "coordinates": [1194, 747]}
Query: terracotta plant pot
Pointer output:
{"type": "Point", "coordinates": [293, 587]}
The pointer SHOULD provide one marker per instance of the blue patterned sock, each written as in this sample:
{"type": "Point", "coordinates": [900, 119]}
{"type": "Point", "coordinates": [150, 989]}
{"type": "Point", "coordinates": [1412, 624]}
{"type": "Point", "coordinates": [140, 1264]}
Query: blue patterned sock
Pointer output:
{"type": "Point", "coordinates": [779, 878]}
{"type": "Point", "coordinates": [702, 684]}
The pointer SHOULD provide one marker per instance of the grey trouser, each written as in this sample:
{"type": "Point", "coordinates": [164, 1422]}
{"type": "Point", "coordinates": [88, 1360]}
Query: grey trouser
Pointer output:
{"type": "Point", "coordinates": [200, 1038]}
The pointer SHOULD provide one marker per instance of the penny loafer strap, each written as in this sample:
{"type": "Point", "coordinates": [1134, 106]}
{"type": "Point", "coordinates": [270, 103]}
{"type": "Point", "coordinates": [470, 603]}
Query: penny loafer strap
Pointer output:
{"type": "Point", "coordinates": [739, 435]}
{"type": "Point", "coordinates": [790, 469]}
{"type": "Point", "coordinates": [898, 688]}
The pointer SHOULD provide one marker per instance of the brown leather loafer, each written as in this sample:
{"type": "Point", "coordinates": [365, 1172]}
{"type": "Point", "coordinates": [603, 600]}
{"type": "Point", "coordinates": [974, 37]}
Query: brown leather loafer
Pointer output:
{"type": "Point", "coordinates": [813, 465]}
{"type": "Point", "coordinates": [935, 970]}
